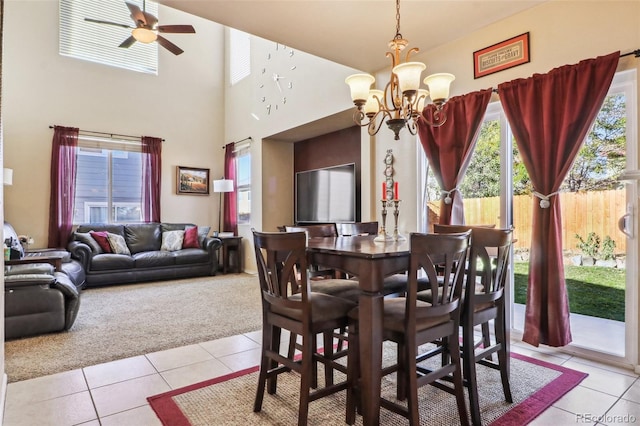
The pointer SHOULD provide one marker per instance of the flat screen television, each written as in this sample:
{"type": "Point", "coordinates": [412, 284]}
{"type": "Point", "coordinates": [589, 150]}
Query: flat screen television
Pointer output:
{"type": "Point", "coordinates": [326, 195]}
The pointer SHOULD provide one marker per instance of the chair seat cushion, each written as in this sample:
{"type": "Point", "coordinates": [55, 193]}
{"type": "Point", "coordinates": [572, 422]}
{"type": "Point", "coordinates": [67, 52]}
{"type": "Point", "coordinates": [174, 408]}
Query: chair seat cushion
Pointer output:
{"type": "Point", "coordinates": [394, 315]}
{"type": "Point", "coordinates": [345, 289]}
{"type": "Point", "coordinates": [323, 308]}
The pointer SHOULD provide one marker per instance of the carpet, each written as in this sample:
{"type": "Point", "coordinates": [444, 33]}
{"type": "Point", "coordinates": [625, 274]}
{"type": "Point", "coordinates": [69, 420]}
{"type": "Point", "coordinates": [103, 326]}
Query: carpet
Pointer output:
{"type": "Point", "coordinates": [122, 321]}
{"type": "Point", "coordinates": [228, 400]}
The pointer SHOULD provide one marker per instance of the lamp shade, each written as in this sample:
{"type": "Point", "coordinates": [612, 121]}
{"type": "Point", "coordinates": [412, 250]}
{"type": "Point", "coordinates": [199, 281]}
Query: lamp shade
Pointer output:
{"type": "Point", "coordinates": [223, 185]}
{"type": "Point", "coordinates": [409, 75]}
{"type": "Point", "coordinates": [7, 176]}
{"type": "Point", "coordinates": [372, 106]}
{"type": "Point", "coordinates": [421, 99]}
{"type": "Point", "coordinates": [359, 85]}
{"type": "Point", "coordinates": [439, 85]}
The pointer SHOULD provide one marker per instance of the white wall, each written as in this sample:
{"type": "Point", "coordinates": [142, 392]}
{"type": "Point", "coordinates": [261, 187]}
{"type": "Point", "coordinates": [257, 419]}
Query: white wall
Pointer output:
{"type": "Point", "coordinates": [182, 104]}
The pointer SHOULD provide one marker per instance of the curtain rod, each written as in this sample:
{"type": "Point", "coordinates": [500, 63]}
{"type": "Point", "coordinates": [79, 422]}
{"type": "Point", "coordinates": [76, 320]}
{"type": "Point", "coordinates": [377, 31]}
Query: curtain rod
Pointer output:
{"type": "Point", "coordinates": [635, 53]}
{"type": "Point", "coordinates": [111, 135]}
{"type": "Point", "coordinates": [241, 140]}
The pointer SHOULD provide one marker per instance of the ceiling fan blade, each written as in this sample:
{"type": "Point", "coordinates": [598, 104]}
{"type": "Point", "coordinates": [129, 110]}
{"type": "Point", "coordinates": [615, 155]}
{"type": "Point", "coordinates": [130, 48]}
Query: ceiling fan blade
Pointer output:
{"type": "Point", "coordinates": [136, 14]}
{"type": "Point", "coordinates": [151, 20]}
{"type": "Point", "coordinates": [169, 46]}
{"type": "Point", "coordinates": [97, 21]}
{"type": "Point", "coordinates": [128, 42]}
{"type": "Point", "coordinates": [176, 29]}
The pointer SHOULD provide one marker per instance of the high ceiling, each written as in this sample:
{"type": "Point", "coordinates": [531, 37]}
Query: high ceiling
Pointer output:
{"type": "Point", "coordinates": [354, 33]}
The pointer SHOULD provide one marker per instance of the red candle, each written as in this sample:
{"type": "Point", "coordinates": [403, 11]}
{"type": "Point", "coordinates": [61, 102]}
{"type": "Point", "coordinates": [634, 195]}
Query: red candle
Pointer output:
{"type": "Point", "coordinates": [384, 191]}
{"type": "Point", "coordinates": [396, 194]}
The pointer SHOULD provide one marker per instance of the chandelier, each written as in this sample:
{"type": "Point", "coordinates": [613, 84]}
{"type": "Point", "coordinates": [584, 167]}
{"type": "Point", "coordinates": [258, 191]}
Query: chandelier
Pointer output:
{"type": "Point", "coordinates": [402, 101]}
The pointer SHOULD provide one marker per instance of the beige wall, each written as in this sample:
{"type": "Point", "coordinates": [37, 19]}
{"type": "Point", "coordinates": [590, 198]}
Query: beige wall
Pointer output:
{"type": "Point", "coordinates": [182, 104]}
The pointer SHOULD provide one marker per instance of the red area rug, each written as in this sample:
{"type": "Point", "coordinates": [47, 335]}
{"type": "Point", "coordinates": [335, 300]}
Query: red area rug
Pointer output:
{"type": "Point", "coordinates": [228, 400]}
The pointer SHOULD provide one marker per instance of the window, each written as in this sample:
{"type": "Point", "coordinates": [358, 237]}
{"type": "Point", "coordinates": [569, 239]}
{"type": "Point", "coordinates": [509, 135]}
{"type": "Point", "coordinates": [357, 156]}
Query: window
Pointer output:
{"type": "Point", "coordinates": [109, 182]}
{"type": "Point", "coordinates": [239, 55]}
{"type": "Point", "coordinates": [99, 43]}
{"type": "Point", "coordinates": [243, 167]}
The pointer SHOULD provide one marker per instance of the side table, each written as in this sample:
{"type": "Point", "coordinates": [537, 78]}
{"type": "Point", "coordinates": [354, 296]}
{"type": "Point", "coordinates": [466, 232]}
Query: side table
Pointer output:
{"type": "Point", "coordinates": [231, 259]}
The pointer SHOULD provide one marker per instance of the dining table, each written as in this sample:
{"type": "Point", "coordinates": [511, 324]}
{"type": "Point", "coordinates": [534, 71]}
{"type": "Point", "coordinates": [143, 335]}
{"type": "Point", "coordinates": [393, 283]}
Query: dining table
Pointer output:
{"type": "Point", "coordinates": [370, 261]}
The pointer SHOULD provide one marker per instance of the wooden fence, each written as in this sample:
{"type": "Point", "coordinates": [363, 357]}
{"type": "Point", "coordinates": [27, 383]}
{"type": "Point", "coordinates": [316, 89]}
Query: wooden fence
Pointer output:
{"type": "Point", "coordinates": [582, 212]}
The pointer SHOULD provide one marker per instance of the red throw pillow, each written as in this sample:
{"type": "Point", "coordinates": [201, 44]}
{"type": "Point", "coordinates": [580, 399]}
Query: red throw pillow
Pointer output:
{"type": "Point", "coordinates": [191, 238]}
{"type": "Point", "coordinates": [102, 240]}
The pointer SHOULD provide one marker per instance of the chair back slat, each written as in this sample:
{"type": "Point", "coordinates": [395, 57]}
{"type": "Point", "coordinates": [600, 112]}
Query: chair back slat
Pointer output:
{"type": "Point", "coordinates": [314, 231]}
{"type": "Point", "coordinates": [278, 256]}
{"type": "Point", "coordinates": [489, 262]}
{"type": "Point", "coordinates": [442, 258]}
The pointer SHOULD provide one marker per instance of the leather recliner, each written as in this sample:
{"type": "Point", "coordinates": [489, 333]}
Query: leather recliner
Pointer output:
{"type": "Point", "coordinates": [38, 300]}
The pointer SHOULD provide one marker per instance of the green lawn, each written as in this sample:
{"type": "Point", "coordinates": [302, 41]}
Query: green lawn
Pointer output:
{"type": "Point", "coordinates": [593, 290]}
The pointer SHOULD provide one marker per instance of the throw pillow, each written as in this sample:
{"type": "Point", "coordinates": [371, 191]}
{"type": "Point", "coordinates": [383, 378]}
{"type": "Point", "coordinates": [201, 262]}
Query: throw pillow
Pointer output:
{"type": "Point", "coordinates": [118, 244]}
{"type": "Point", "coordinates": [102, 240]}
{"type": "Point", "coordinates": [172, 240]}
{"type": "Point", "coordinates": [203, 231]}
{"type": "Point", "coordinates": [88, 240]}
{"type": "Point", "coordinates": [191, 238]}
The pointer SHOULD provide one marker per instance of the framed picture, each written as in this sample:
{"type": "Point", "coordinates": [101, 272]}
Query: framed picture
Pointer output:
{"type": "Point", "coordinates": [191, 180]}
{"type": "Point", "coordinates": [500, 56]}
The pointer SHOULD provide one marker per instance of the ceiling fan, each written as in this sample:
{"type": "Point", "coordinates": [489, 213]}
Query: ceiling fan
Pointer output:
{"type": "Point", "coordinates": [147, 30]}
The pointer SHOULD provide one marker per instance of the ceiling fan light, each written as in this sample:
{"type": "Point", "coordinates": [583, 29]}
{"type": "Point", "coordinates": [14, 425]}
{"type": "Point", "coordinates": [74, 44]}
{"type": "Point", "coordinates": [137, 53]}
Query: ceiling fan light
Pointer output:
{"type": "Point", "coordinates": [359, 85]}
{"type": "Point", "coordinates": [144, 35]}
{"type": "Point", "coordinates": [439, 86]}
{"type": "Point", "coordinates": [409, 75]}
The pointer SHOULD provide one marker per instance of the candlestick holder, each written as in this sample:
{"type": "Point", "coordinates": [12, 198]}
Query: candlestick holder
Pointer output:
{"type": "Point", "coordinates": [396, 211]}
{"type": "Point", "coordinates": [382, 234]}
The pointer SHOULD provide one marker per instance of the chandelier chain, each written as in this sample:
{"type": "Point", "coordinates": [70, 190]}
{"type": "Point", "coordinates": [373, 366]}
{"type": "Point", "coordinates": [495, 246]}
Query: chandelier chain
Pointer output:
{"type": "Point", "coordinates": [398, 35]}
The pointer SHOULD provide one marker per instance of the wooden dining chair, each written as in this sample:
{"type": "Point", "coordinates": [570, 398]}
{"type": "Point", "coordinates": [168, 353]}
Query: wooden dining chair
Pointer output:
{"type": "Point", "coordinates": [357, 228]}
{"type": "Point", "coordinates": [484, 302]}
{"type": "Point", "coordinates": [411, 323]}
{"type": "Point", "coordinates": [288, 303]}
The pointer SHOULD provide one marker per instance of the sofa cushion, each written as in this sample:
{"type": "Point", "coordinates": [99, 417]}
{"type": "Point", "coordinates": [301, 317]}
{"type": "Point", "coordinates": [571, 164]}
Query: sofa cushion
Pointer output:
{"type": "Point", "coordinates": [172, 240]}
{"type": "Point", "coordinates": [143, 237]}
{"type": "Point", "coordinates": [152, 259]}
{"type": "Point", "coordinates": [191, 238]}
{"type": "Point", "coordinates": [111, 261]}
{"type": "Point", "coordinates": [88, 240]}
{"type": "Point", "coordinates": [191, 256]}
{"type": "Point", "coordinates": [102, 240]}
{"type": "Point", "coordinates": [118, 244]}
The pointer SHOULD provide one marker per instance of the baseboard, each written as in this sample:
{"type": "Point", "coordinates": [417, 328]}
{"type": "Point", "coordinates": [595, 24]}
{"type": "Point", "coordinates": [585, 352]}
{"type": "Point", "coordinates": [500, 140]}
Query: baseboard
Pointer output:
{"type": "Point", "coordinates": [3, 396]}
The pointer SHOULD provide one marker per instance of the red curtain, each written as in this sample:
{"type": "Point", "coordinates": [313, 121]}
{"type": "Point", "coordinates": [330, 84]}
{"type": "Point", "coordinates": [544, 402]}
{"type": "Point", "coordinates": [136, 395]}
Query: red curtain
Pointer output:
{"type": "Point", "coordinates": [230, 215]}
{"type": "Point", "coordinates": [63, 184]}
{"type": "Point", "coordinates": [449, 147]}
{"type": "Point", "coordinates": [151, 178]}
{"type": "Point", "coordinates": [550, 116]}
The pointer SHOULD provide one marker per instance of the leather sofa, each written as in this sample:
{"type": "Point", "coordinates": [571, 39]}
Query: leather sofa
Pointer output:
{"type": "Point", "coordinates": [145, 261]}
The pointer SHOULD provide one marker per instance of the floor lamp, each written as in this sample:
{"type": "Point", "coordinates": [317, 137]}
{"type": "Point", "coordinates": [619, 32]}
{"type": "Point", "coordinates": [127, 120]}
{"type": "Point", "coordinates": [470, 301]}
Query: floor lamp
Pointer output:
{"type": "Point", "coordinates": [222, 185]}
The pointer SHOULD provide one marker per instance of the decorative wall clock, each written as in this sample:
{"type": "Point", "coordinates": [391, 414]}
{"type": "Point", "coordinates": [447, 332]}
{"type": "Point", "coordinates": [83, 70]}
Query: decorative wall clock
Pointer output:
{"type": "Point", "coordinates": [276, 79]}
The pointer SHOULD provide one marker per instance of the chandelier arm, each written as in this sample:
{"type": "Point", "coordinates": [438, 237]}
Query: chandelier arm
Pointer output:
{"type": "Point", "coordinates": [375, 125]}
{"type": "Point", "coordinates": [358, 116]}
{"type": "Point", "coordinates": [412, 50]}
{"type": "Point", "coordinates": [440, 118]}
{"type": "Point", "coordinates": [413, 127]}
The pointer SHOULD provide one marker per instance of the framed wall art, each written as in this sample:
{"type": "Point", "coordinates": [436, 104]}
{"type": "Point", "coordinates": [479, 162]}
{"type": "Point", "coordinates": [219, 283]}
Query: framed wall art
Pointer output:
{"type": "Point", "coordinates": [500, 56]}
{"type": "Point", "coordinates": [191, 180]}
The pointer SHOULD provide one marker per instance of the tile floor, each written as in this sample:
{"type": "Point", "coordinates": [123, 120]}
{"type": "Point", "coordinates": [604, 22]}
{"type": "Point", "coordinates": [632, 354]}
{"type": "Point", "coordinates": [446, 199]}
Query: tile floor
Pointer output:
{"type": "Point", "coordinates": [114, 393]}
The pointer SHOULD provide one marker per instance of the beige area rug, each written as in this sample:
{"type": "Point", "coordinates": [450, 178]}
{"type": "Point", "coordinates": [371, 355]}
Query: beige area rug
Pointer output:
{"type": "Point", "coordinates": [228, 400]}
{"type": "Point", "coordinates": [133, 319]}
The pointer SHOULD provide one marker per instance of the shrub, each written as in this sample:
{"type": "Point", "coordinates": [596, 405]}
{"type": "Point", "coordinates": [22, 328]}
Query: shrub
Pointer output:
{"type": "Point", "coordinates": [591, 246]}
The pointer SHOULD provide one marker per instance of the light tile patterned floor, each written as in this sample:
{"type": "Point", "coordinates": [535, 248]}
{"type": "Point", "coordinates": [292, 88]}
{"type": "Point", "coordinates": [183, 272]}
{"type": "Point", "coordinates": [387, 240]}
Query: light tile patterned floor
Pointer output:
{"type": "Point", "coordinates": [114, 394]}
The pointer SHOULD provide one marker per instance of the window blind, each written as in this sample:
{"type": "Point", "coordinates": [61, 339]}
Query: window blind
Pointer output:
{"type": "Point", "coordinates": [99, 43]}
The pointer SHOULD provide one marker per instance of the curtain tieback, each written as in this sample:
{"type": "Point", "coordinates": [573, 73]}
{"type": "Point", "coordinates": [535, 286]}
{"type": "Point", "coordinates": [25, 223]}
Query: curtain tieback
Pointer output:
{"type": "Point", "coordinates": [447, 198]}
{"type": "Point", "coordinates": [544, 199]}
